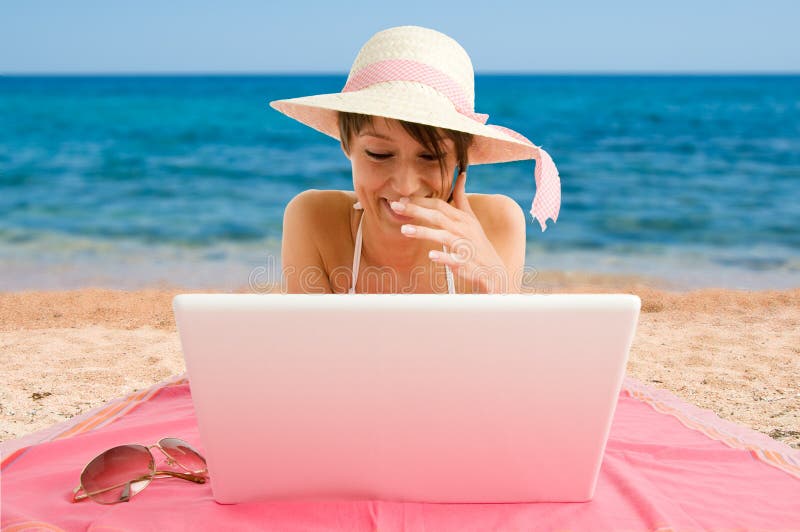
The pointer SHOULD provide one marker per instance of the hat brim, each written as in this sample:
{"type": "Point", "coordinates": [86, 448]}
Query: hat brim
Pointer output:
{"type": "Point", "coordinates": [490, 144]}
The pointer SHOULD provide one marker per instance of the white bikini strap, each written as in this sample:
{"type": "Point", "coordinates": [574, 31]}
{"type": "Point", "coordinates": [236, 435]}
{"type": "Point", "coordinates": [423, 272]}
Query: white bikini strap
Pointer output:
{"type": "Point", "coordinates": [451, 289]}
{"type": "Point", "coordinates": [357, 259]}
{"type": "Point", "coordinates": [357, 252]}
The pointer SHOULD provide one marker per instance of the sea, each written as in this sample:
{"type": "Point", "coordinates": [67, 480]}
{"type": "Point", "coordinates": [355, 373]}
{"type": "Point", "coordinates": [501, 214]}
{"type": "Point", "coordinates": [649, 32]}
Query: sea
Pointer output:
{"type": "Point", "coordinates": [139, 181]}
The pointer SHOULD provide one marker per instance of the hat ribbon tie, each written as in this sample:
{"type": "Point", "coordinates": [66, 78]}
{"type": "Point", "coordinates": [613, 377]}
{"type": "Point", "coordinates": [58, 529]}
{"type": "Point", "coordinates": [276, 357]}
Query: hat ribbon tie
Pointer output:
{"type": "Point", "coordinates": [547, 201]}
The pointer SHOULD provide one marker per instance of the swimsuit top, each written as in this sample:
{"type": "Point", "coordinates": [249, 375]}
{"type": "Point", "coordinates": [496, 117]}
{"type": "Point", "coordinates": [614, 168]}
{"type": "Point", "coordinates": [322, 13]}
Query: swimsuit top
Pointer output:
{"type": "Point", "coordinates": [357, 259]}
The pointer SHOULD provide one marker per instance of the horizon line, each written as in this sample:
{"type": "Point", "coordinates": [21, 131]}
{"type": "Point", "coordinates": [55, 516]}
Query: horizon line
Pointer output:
{"type": "Point", "coordinates": [280, 73]}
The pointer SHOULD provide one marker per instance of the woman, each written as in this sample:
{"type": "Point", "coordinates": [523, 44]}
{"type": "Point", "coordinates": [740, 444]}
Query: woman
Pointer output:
{"type": "Point", "coordinates": [405, 120]}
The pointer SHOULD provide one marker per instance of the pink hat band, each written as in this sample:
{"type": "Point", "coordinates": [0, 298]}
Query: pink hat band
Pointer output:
{"type": "Point", "coordinates": [546, 202]}
{"type": "Point", "coordinates": [407, 70]}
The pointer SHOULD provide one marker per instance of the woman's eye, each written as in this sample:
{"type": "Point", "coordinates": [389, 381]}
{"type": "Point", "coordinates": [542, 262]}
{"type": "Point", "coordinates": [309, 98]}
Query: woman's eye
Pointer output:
{"type": "Point", "coordinates": [429, 157]}
{"type": "Point", "coordinates": [379, 156]}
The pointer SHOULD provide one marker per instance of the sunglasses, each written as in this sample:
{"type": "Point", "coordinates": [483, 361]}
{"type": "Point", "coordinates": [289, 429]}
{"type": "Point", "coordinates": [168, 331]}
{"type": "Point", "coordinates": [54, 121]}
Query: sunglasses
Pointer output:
{"type": "Point", "coordinates": [121, 472]}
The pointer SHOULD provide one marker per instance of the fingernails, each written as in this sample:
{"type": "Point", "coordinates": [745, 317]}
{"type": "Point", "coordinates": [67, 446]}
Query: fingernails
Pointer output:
{"type": "Point", "coordinates": [396, 205]}
{"type": "Point", "coordinates": [404, 200]}
{"type": "Point", "coordinates": [408, 229]}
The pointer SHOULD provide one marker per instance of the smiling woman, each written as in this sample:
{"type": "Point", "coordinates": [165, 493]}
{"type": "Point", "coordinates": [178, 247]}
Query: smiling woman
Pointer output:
{"type": "Point", "coordinates": [429, 137]}
{"type": "Point", "coordinates": [406, 122]}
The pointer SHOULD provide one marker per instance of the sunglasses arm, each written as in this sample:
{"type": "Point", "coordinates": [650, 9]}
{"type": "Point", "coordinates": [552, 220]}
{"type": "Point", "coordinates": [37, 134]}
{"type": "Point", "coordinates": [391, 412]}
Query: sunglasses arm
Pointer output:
{"type": "Point", "coordinates": [77, 497]}
{"type": "Point", "coordinates": [185, 476]}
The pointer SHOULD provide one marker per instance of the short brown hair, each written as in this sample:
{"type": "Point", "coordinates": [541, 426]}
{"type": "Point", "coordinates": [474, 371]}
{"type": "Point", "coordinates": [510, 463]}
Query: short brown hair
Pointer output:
{"type": "Point", "coordinates": [428, 136]}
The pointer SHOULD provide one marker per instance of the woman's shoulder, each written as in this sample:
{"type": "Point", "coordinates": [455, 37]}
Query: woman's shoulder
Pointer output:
{"type": "Point", "coordinates": [321, 208]}
{"type": "Point", "coordinates": [496, 210]}
{"type": "Point", "coordinates": [325, 215]}
{"type": "Point", "coordinates": [322, 200]}
{"type": "Point", "coordinates": [324, 208]}
{"type": "Point", "coordinates": [323, 203]}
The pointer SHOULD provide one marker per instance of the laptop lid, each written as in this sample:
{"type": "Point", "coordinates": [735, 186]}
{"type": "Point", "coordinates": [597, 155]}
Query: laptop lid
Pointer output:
{"type": "Point", "coordinates": [415, 397]}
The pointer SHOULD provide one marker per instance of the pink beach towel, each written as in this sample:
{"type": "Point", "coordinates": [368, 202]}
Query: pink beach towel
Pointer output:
{"type": "Point", "coordinates": [668, 466]}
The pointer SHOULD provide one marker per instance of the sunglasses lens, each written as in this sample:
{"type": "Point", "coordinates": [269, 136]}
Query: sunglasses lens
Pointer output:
{"type": "Point", "coordinates": [184, 454]}
{"type": "Point", "coordinates": [118, 474]}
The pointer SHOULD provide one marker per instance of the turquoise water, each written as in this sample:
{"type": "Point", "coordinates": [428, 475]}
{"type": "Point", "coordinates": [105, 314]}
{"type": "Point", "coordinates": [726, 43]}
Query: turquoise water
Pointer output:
{"type": "Point", "coordinates": [131, 181]}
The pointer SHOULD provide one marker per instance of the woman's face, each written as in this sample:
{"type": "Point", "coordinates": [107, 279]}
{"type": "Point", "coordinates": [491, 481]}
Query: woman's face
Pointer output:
{"type": "Point", "coordinates": [389, 164]}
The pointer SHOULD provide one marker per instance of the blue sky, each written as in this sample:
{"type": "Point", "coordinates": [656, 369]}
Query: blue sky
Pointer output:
{"type": "Point", "coordinates": [248, 36]}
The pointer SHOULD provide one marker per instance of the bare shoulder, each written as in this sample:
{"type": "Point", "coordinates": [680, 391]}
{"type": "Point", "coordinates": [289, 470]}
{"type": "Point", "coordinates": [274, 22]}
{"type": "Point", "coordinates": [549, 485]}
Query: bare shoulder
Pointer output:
{"type": "Point", "coordinates": [497, 212]}
{"type": "Point", "coordinates": [503, 221]}
{"type": "Point", "coordinates": [313, 221]}
{"type": "Point", "coordinates": [319, 205]}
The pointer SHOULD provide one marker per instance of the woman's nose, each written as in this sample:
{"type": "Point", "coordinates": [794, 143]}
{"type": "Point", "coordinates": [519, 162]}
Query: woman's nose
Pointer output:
{"type": "Point", "coordinates": [407, 181]}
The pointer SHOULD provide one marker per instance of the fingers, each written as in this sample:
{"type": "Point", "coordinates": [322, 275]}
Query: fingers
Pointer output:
{"type": "Point", "coordinates": [440, 236]}
{"type": "Point", "coordinates": [432, 210]}
{"type": "Point", "coordinates": [481, 279]}
{"type": "Point", "coordinates": [454, 260]}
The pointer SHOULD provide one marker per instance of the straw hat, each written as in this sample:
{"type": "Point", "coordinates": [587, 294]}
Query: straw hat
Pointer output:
{"type": "Point", "coordinates": [421, 75]}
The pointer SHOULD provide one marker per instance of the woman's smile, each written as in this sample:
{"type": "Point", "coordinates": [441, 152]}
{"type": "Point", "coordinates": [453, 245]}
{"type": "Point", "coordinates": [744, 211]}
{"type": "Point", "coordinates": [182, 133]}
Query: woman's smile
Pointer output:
{"type": "Point", "coordinates": [398, 217]}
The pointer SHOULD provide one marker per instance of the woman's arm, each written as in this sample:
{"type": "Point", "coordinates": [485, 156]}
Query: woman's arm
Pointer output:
{"type": "Point", "coordinates": [302, 268]}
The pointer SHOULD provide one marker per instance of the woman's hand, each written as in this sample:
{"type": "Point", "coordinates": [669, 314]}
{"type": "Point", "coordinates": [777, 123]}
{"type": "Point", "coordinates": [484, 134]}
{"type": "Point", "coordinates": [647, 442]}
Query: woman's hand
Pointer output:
{"type": "Point", "coordinates": [470, 255]}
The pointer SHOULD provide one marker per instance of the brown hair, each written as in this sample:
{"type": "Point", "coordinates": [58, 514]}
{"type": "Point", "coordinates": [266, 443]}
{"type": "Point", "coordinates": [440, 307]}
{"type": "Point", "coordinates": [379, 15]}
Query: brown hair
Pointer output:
{"type": "Point", "coordinates": [428, 136]}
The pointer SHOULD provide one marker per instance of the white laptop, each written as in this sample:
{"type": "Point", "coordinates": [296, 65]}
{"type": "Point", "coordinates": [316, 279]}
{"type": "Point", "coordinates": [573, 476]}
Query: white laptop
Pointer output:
{"type": "Point", "coordinates": [405, 397]}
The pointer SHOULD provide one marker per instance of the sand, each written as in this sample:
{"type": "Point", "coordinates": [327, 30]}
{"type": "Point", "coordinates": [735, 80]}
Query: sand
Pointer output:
{"type": "Point", "coordinates": [734, 352]}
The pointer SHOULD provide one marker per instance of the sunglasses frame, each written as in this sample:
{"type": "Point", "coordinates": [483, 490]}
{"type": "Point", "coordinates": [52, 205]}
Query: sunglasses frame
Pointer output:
{"type": "Point", "coordinates": [199, 477]}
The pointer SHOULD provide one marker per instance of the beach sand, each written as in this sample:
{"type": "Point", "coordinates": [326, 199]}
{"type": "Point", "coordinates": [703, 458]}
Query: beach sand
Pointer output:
{"type": "Point", "coordinates": [734, 352]}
